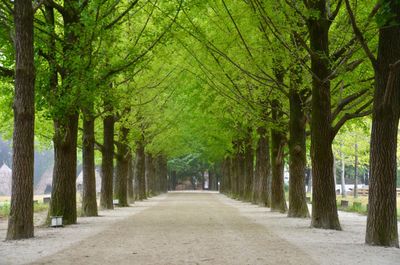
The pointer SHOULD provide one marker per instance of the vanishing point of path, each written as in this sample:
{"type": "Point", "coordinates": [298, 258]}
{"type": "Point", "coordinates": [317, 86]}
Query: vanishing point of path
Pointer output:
{"type": "Point", "coordinates": [183, 228]}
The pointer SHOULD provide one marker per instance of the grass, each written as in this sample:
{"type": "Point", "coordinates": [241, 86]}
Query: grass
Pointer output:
{"type": "Point", "coordinates": [5, 206]}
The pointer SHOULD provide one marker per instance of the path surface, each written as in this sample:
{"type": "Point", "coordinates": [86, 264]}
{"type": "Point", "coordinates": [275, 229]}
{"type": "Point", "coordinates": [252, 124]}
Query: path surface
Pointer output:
{"type": "Point", "coordinates": [197, 228]}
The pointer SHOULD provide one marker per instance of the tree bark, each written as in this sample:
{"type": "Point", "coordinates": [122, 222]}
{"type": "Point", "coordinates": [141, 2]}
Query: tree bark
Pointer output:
{"type": "Point", "coordinates": [63, 195]}
{"type": "Point", "coordinates": [150, 174]}
{"type": "Point", "coordinates": [131, 177]}
{"type": "Point", "coordinates": [342, 178]}
{"type": "Point", "coordinates": [107, 161]}
{"type": "Point", "coordinates": [140, 170]}
{"type": "Point", "coordinates": [278, 137]}
{"type": "Point", "coordinates": [382, 227]}
{"type": "Point", "coordinates": [122, 168]}
{"type": "Point", "coordinates": [264, 169]}
{"type": "Point", "coordinates": [324, 210]}
{"type": "Point", "coordinates": [355, 170]}
{"type": "Point", "coordinates": [297, 152]}
{"type": "Point", "coordinates": [248, 167]}
{"type": "Point", "coordinates": [20, 222]}
{"type": "Point", "coordinates": [89, 200]}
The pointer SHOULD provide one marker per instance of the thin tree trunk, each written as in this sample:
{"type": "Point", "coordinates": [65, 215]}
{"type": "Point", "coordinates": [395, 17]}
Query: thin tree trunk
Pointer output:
{"type": "Point", "coordinates": [107, 162]}
{"type": "Point", "coordinates": [131, 176]}
{"type": "Point", "coordinates": [89, 200]}
{"type": "Point", "coordinates": [382, 227]}
{"type": "Point", "coordinates": [355, 170]}
{"type": "Point", "coordinates": [63, 195]}
{"type": "Point", "coordinates": [278, 137]}
{"type": "Point", "coordinates": [122, 168]}
{"type": "Point", "coordinates": [20, 222]}
{"type": "Point", "coordinates": [343, 183]}
{"type": "Point", "coordinates": [297, 152]}
{"type": "Point", "coordinates": [248, 167]}
{"type": "Point", "coordinates": [263, 154]}
{"type": "Point", "coordinates": [140, 170]}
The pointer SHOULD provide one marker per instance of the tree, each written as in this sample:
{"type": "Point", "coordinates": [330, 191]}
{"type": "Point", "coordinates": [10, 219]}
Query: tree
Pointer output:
{"type": "Point", "coordinates": [20, 223]}
{"type": "Point", "coordinates": [382, 216]}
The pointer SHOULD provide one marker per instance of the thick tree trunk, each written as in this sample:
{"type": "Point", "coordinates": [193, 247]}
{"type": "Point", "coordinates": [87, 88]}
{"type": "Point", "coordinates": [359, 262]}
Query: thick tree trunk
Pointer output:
{"type": "Point", "coordinates": [89, 200]}
{"type": "Point", "coordinates": [121, 177]}
{"type": "Point", "coordinates": [131, 177]}
{"type": "Point", "coordinates": [63, 195]}
{"type": "Point", "coordinates": [140, 170]}
{"type": "Point", "coordinates": [382, 213]}
{"type": "Point", "coordinates": [107, 163]}
{"type": "Point", "coordinates": [297, 152]}
{"type": "Point", "coordinates": [324, 210]}
{"type": "Point", "coordinates": [20, 222]}
{"type": "Point", "coordinates": [278, 137]}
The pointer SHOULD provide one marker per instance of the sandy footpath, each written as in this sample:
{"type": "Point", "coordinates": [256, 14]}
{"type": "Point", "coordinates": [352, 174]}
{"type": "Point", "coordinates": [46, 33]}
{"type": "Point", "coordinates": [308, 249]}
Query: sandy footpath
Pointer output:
{"type": "Point", "coordinates": [196, 228]}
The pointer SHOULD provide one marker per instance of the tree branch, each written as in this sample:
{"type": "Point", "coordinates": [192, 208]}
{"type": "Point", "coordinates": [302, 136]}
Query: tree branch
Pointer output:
{"type": "Point", "coordinates": [360, 36]}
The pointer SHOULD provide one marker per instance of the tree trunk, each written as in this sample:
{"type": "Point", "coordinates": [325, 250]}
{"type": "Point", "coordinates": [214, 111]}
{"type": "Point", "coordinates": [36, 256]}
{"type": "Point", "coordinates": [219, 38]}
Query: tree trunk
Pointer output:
{"type": "Point", "coordinates": [342, 178]}
{"type": "Point", "coordinates": [121, 177]}
{"type": "Point", "coordinates": [382, 212]}
{"type": "Point", "coordinates": [107, 162]}
{"type": "Point", "coordinates": [89, 200]}
{"type": "Point", "coordinates": [278, 137]}
{"type": "Point", "coordinates": [324, 210]}
{"type": "Point", "coordinates": [264, 169]}
{"type": "Point", "coordinates": [131, 176]}
{"type": "Point", "coordinates": [355, 170]}
{"type": "Point", "coordinates": [248, 167]}
{"type": "Point", "coordinates": [140, 170]}
{"type": "Point", "coordinates": [63, 195]}
{"type": "Point", "coordinates": [297, 152]}
{"type": "Point", "coordinates": [150, 174]}
{"type": "Point", "coordinates": [20, 222]}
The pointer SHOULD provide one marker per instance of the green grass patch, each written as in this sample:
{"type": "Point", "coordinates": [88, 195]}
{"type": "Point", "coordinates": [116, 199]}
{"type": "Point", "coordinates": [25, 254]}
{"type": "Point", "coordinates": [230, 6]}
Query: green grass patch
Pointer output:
{"type": "Point", "coordinates": [5, 208]}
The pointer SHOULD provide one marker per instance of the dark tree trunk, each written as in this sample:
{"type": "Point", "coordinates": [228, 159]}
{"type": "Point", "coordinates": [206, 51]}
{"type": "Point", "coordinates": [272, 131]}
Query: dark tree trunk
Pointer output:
{"type": "Point", "coordinates": [63, 194]}
{"type": "Point", "coordinates": [131, 177]}
{"type": "Point", "coordinates": [107, 162]}
{"type": "Point", "coordinates": [265, 171]}
{"type": "Point", "coordinates": [324, 210]}
{"type": "Point", "coordinates": [164, 174]}
{"type": "Point", "coordinates": [278, 141]}
{"type": "Point", "coordinates": [20, 222]}
{"type": "Point", "coordinates": [227, 176]}
{"type": "Point", "coordinates": [261, 188]}
{"type": "Point", "coordinates": [140, 170]}
{"type": "Point", "coordinates": [248, 167]}
{"type": "Point", "coordinates": [382, 213]}
{"type": "Point", "coordinates": [150, 174]}
{"type": "Point", "coordinates": [89, 201]}
{"type": "Point", "coordinates": [121, 177]}
{"type": "Point", "coordinates": [297, 153]}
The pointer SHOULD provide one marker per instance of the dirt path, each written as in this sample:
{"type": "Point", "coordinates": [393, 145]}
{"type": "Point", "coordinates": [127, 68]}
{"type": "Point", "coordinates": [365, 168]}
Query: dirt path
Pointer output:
{"type": "Point", "coordinates": [185, 228]}
{"type": "Point", "coordinates": [197, 228]}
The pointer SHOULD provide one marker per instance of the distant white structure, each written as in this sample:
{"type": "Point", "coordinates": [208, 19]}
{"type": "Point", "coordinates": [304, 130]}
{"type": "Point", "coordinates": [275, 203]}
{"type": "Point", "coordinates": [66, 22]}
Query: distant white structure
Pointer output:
{"type": "Point", "coordinates": [79, 181]}
{"type": "Point", "coordinates": [5, 180]}
{"type": "Point", "coordinates": [46, 181]}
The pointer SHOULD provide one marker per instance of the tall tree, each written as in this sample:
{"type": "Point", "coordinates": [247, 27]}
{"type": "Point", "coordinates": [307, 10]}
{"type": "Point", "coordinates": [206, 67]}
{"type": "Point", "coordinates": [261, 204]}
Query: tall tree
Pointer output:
{"type": "Point", "coordinates": [382, 213]}
{"type": "Point", "coordinates": [20, 223]}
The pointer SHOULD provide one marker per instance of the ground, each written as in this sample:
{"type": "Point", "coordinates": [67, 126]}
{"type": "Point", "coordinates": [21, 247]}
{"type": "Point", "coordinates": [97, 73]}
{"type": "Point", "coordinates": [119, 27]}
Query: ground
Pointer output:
{"type": "Point", "coordinates": [196, 228]}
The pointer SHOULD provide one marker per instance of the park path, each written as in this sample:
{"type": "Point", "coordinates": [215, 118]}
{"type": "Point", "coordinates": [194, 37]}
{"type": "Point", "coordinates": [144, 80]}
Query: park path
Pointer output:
{"type": "Point", "coordinates": [183, 228]}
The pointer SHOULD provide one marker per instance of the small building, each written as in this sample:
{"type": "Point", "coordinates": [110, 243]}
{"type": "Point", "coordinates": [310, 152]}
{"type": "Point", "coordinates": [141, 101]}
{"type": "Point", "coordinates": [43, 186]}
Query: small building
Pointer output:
{"type": "Point", "coordinates": [5, 180]}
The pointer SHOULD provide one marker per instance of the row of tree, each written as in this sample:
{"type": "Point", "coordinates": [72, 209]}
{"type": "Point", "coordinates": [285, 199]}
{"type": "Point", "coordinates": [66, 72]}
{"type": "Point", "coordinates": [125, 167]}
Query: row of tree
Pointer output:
{"type": "Point", "coordinates": [241, 83]}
